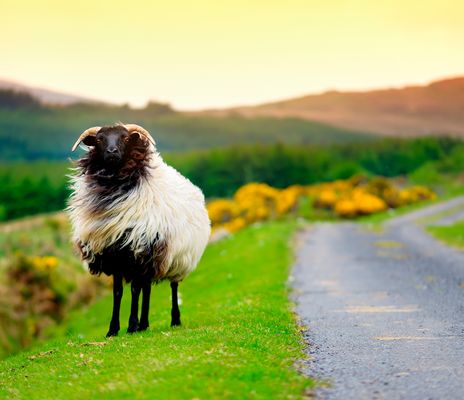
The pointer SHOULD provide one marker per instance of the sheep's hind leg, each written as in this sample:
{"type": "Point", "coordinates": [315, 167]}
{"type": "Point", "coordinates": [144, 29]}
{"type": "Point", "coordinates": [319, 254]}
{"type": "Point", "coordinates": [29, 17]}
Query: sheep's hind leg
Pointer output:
{"type": "Point", "coordinates": [117, 296]}
{"type": "Point", "coordinates": [146, 291]}
{"type": "Point", "coordinates": [175, 312]}
{"type": "Point", "coordinates": [136, 287]}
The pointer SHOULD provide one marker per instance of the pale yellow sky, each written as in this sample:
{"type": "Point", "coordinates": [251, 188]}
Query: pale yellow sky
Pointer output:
{"type": "Point", "coordinates": [197, 54]}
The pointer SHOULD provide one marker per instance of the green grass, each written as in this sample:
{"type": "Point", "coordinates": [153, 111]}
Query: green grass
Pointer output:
{"type": "Point", "coordinates": [239, 338]}
{"type": "Point", "coordinates": [307, 211]}
{"type": "Point", "coordinates": [452, 234]}
{"type": "Point", "coordinates": [54, 171]}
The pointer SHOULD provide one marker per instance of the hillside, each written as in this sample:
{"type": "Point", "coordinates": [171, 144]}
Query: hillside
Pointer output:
{"type": "Point", "coordinates": [436, 108]}
{"type": "Point", "coordinates": [30, 130]}
{"type": "Point", "coordinates": [45, 96]}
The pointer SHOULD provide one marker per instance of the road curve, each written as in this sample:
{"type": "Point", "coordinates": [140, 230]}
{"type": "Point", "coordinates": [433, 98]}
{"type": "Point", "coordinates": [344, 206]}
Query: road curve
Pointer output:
{"type": "Point", "coordinates": [384, 309]}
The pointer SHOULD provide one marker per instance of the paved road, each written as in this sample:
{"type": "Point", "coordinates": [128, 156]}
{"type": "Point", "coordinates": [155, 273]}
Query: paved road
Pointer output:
{"type": "Point", "coordinates": [384, 309]}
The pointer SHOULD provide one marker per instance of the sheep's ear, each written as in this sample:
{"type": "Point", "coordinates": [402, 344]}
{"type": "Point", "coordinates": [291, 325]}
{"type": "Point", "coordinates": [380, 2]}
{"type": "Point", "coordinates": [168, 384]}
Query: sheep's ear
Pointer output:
{"type": "Point", "coordinates": [135, 136]}
{"type": "Point", "coordinates": [90, 141]}
{"type": "Point", "coordinates": [138, 138]}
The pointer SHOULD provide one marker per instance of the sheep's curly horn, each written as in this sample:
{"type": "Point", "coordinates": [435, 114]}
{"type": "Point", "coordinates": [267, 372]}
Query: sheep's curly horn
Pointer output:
{"type": "Point", "coordinates": [88, 132]}
{"type": "Point", "coordinates": [136, 128]}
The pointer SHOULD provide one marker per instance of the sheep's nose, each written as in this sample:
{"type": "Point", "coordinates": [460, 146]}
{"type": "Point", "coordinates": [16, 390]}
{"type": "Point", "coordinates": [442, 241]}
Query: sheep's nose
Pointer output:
{"type": "Point", "coordinates": [112, 150]}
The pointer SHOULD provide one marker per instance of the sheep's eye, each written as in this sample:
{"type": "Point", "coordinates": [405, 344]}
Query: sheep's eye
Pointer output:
{"type": "Point", "coordinates": [126, 139]}
{"type": "Point", "coordinates": [98, 141]}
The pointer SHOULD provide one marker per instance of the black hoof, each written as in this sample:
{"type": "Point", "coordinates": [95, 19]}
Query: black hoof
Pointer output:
{"type": "Point", "coordinates": [142, 327]}
{"type": "Point", "coordinates": [133, 325]}
{"type": "Point", "coordinates": [133, 328]}
{"type": "Point", "coordinates": [112, 332]}
{"type": "Point", "coordinates": [175, 317]}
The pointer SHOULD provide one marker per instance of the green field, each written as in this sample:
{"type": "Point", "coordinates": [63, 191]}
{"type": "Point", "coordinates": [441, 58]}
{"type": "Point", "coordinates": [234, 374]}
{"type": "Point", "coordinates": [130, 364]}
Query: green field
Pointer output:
{"type": "Point", "coordinates": [239, 337]}
{"type": "Point", "coordinates": [452, 234]}
{"type": "Point", "coordinates": [54, 171]}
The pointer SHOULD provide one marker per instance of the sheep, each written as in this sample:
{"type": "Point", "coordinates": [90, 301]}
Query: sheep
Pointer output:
{"type": "Point", "coordinates": [134, 217]}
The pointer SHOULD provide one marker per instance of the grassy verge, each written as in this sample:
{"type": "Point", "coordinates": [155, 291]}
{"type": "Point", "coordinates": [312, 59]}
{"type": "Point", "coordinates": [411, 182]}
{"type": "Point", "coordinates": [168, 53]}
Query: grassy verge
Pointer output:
{"type": "Point", "coordinates": [452, 234]}
{"type": "Point", "coordinates": [238, 339]}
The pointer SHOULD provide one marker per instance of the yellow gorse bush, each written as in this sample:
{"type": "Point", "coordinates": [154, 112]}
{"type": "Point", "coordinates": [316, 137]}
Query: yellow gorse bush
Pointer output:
{"type": "Point", "coordinates": [287, 199]}
{"type": "Point", "coordinates": [418, 193]}
{"type": "Point", "coordinates": [357, 196]}
{"type": "Point", "coordinates": [256, 201]}
{"type": "Point", "coordinates": [235, 224]}
{"type": "Point", "coordinates": [367, 203]}
{"type": "Point", "coordinates": [348, 198]}
{"type": "Point", "coordinates": [346, 208]}
{"type": "Point", "coordinates": [252, 203]}
{"type": "Point", "coordinates": [222, 210]}
{"type": "Point", "coordinates": [326, 199]}
{"type": "Point", "coordinates": [44, 263]}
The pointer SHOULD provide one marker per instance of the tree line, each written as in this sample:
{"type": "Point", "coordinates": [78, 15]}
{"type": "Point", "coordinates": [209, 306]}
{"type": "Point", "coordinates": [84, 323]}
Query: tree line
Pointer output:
{"type": "Point", "coordinates": [26, 190]}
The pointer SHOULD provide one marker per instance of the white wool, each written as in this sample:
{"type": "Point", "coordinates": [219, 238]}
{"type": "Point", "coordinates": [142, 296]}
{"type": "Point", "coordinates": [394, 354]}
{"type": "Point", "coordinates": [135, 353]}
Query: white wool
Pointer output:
{"type": "Point", "coordinates": [163, 205]}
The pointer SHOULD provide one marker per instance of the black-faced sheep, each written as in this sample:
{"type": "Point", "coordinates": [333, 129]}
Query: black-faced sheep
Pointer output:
{"type": "Point", "coordinates": [135, 217]}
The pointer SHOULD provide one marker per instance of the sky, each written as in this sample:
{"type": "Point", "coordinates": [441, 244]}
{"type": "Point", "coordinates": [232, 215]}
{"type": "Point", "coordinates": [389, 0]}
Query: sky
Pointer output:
{"type": "Point", "coordinates": [212, 54]}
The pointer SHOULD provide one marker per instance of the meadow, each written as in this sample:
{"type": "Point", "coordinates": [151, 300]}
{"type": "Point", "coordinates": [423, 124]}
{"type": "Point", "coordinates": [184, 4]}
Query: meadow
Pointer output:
{"type": "Point", "coordinates": [44, 280]}
{"type": "Point", "coordinates": [239, 337]}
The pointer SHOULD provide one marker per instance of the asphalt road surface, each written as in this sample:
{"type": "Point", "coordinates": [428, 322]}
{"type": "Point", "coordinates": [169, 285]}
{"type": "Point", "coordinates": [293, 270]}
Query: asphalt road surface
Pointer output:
{"type": "Point", "coordinates": [384, 309]}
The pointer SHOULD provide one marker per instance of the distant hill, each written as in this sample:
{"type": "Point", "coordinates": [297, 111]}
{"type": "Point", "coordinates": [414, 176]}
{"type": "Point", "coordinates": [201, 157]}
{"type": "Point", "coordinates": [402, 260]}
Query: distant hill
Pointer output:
{"type": "Point", "coordinates": [30, 130]}
{"type": "Point", "coordinates": [45, 96]}
{"type": "Point", "coordinates": [42, 124]}
{"type": "Point", "coordinates": [434, 109]}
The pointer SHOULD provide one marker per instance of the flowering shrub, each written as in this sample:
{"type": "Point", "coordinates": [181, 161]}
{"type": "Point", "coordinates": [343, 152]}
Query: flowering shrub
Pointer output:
{"type": "Point", "coordinates": [256, 201]}
{"type": "Point", "coordinates": [235, 224]}
{"type": "Point", "coordinates": [417, 193]}
{"type": "Point", "coordinates": [38, 297]}
{"type": "Point", "coordinates": [287, 199]}
{"type": "Point", "coordinates": [346, 208]}
{"type": "Point", "coordinates": [222, 211]}
{"type": "Point", "coordinates": [42, 281]}
{"type": "Point", "coordinates": [348, 198]}
{"type": "Point", "coordinates": [326, 199]}
{"type": "Point", "coordinates": [43, 264]}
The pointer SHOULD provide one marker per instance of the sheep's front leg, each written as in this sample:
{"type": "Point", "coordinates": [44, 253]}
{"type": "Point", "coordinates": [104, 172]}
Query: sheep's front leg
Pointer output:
{"type": "Point", "coordinates": [175, 312]}
{"type": "Point", "coordinates": [146, 291]}
{"type": "Point", "coordinates": [136, 287]}
{"type": "Point", "coordinates": [117, 296]}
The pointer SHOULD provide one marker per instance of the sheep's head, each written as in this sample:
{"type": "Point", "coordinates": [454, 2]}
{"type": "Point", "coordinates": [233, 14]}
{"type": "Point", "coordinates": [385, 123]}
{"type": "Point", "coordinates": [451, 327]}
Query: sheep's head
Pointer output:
{"type": "Point", "coordinates": [113, 144]}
